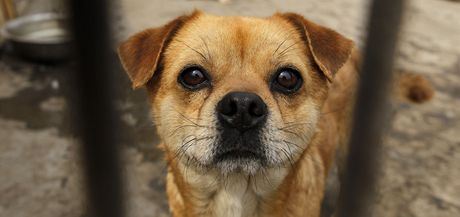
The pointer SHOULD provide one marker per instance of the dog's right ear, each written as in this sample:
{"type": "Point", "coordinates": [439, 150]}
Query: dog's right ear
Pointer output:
{"type": "Point", "coordinates": [140, 54]}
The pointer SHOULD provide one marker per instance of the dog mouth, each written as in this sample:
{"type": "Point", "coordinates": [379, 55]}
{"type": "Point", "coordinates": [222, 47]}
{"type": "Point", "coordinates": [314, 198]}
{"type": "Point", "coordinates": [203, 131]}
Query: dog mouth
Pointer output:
{"type": "Point", "coordinates": [239, 161]}
{"type": "Point", "coordinates": [235, 155]}
{"type": "Point", "coordinates": [239, 152]}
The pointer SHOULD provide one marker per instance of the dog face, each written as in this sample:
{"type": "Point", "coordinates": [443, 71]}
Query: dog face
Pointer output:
{"type": "Point", "coordinates": [235, 94]}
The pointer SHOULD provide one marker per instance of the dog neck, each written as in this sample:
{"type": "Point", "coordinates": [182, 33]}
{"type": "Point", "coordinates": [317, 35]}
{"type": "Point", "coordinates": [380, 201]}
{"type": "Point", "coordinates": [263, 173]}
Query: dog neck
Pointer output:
{"type": "Point", "coordinates": [267, 193]}
{"type": "Point", "coordinates": [232, 195]}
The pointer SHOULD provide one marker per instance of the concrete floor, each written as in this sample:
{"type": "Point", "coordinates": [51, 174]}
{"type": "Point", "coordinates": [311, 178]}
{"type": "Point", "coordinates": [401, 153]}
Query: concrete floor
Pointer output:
{"type": "Point", "coordinates": [39, 165]}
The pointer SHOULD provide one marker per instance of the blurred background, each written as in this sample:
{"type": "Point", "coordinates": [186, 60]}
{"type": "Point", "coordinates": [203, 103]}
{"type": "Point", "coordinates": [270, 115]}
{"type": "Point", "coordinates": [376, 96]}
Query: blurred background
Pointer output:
{"type": "Point", "coordinates": [39, 163]}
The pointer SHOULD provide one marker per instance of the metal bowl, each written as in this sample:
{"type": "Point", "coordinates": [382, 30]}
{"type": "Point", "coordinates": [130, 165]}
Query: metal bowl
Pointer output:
{"type": "Point", "coordinates": [42, 37]}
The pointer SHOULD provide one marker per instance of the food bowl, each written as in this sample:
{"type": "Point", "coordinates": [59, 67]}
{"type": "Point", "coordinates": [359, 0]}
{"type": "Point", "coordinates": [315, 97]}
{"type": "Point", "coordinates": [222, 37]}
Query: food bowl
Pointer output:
{"type": "Point", "coordinates": [41, 37]}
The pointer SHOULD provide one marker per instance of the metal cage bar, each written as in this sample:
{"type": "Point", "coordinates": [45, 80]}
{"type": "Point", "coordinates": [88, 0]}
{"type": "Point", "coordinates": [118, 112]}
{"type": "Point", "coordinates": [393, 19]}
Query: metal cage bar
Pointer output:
{"type": "Point", "coordinates": [93, 103]}
{"type": "Point", "coordinates": [371, 109]}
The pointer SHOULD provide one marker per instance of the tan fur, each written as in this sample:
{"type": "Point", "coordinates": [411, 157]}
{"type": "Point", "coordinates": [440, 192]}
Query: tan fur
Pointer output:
{"type": "Point", "coordinates": [241, 54]}
{"type": "Point", "coordinates": [413, 87]}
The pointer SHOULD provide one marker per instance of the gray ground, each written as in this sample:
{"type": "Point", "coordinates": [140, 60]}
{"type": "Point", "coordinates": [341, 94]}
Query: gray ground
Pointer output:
{"type": "Point", "coordinates": [421, 171]}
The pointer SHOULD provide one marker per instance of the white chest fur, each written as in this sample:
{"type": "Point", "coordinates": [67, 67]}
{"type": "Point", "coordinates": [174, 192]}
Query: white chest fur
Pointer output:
{"type": "Point", "coordinates": [233, 195]}
{"type": "Point", "coordinates": [235, 199]}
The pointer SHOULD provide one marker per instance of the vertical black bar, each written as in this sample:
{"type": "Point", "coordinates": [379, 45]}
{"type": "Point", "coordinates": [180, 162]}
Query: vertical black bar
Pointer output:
{"type": "Point", "coordinates": [93, 104]}
{"type": "Point", "coordinates": [371, 110]}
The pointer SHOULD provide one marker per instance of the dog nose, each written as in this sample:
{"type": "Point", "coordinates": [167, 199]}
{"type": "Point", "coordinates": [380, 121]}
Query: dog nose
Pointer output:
{"type": "Point", "coordinates": [241, 110]}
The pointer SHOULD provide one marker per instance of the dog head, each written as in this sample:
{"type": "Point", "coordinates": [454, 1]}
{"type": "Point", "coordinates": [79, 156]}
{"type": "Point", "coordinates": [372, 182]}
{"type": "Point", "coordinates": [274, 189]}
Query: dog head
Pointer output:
{"type": "Point", "coordinates": [235, 94]}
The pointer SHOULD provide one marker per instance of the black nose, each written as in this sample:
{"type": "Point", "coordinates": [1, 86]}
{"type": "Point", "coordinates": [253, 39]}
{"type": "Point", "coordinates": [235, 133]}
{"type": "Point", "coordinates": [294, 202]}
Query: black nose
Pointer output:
{"type": "Point", "coordinates": [241, 110]}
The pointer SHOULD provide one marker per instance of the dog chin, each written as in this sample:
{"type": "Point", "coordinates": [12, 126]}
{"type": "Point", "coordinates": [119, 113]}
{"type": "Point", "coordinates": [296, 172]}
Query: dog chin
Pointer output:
{"type": "Point", "coordinates": [244, 166]}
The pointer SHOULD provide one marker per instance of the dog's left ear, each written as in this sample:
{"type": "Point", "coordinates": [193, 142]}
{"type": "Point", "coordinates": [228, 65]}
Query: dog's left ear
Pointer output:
{"type": "Point", "coordinates": [330, 50]}
{"type": "Point", "coordinates": [140, 54]}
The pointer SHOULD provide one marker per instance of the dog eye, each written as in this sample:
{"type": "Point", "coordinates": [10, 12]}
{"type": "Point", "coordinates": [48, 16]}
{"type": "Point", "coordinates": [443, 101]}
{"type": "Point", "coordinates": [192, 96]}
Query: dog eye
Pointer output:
{"type": "Point", "coordinates": [193, 78]}
{"type": "Point", "coordinates": [287, 80]}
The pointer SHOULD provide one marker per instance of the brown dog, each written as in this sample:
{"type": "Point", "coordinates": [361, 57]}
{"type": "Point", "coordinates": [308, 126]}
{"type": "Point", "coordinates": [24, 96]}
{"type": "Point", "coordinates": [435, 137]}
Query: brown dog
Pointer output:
{"type": "Point", "coordinates": [250, 110]}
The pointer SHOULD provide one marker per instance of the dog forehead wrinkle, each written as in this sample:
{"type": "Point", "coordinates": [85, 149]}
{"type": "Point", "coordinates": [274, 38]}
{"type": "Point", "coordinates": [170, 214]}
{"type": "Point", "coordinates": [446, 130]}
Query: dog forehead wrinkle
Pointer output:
{"type": "Point", "coordinates": [241, 38]}
{"type": "Point", "coordinates": [237, 36]}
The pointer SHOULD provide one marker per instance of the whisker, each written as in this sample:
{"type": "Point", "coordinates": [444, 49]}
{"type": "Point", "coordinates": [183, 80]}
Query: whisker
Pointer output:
{"type": "Point", "coordinates": [201, 54]}
{"type": "Point", "coordinates": [186, 145]}
{"type": "Point", "coordinates": [188, 119]}
{"type": "Point", "coordinates": [180, 149]}
{"type": "Point", "coordinates": [279, 46]}
{"type": "Point", "coordinates": [207, 48]}
{"type": "Point", "coordinates": [188, 125]}
{"type": "Point", "coordinates": [288, 35]}
{"type": "Point", "coordinates": [291, 132]}
{"type": "Point", "coordinates": [294, 123]}
{"type": "Point", "coordinates": [287, 49]}
{"type": "Point", "coordinates": [294, 144]}
{"type": "Point", "coordinates": [289, 158]}
{"type": "Point", "coordinates": [264, 174]}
